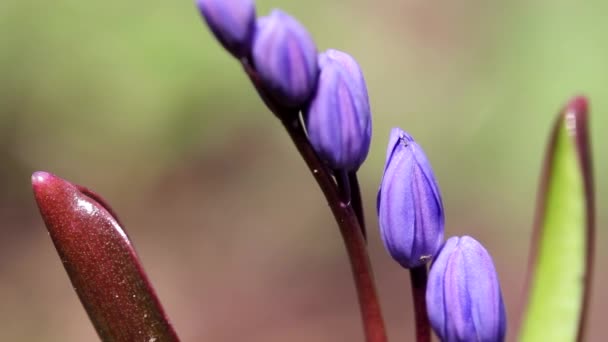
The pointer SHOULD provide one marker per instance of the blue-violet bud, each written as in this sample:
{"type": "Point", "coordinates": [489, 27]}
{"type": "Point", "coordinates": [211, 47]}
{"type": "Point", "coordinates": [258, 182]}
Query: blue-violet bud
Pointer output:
{"type": "Point", "coordinates": [463, 296]}
{"type": "Point", "coordinates": [338, 119]}
{"type": "Point", "coordinates": [285, 57]}
{"type": "Point", "coordinates": [410, 210]}
{"type": "Point", "coordinates": [232, 22]}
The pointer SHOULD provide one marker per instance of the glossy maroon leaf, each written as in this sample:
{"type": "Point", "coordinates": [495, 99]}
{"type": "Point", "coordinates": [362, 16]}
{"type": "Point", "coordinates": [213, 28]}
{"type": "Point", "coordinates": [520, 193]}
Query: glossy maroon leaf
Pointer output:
{"type": "Point", "coordinates": [101, 262]}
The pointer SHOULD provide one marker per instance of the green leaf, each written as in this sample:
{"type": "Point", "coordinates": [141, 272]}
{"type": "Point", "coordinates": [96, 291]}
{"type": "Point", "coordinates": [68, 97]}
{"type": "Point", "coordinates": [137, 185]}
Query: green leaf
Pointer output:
{"type": "Point", "coordinates": [562, 250]}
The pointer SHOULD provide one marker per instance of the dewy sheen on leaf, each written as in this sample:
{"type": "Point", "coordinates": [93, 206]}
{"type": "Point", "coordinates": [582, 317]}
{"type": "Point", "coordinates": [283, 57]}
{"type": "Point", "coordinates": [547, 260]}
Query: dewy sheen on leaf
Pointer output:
{"type": "Point", "coordinates": [410, 209]}
{"type": "Point", "coordinates": [338, 119]}
{"type": "Point", "coordinates": [232, 22]}
{"type": "Point", "coordinates": [464, 300]}
{"type": "Point", "coordinates": [285, 58]}
{"type": "Point", "coordinates": [101, 262]}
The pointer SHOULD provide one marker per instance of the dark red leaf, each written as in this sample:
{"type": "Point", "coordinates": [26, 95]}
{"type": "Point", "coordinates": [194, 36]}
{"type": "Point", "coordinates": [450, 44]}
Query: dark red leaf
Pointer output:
{"type": "Point", "coordinates": [101, 262]}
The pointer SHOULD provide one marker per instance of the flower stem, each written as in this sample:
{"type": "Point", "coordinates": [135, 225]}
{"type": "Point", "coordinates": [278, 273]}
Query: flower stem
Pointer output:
{"type": "Point", "coordinates": [343, 186]}
{"type": "Point", "coordinates": [356, 201]}
{"type": "Point", "coordinates": [418, 277]}
{"type": "Point", "coordinates": [351, 234]}
{"type": "Point", "coordinates": [345, 216]}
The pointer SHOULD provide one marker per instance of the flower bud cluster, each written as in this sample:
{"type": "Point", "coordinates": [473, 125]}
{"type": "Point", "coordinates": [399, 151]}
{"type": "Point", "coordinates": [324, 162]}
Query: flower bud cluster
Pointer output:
{"type": "Point", "coordinates": [328, 88]}
{"type": "Point", "coordinates": [463, 298]}
{"type": "Point", "coordinates": [464, 301]}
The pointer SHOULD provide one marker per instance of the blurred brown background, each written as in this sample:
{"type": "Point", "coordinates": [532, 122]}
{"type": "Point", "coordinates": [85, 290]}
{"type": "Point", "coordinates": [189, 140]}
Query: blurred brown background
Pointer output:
{"type": "Point", "coordinates": [136, 100]}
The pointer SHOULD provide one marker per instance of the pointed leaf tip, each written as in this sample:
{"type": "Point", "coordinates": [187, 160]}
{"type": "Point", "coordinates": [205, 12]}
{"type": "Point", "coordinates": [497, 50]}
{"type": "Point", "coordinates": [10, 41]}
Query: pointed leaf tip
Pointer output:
{"type": "Point", "coordinates": [578, 105]}
{"type": "Point", "coordinates": [40, 177]}
{"type": "Point", "coordinates": [576, 117]}
{"type": "Point", "coordinates": [101, 263]}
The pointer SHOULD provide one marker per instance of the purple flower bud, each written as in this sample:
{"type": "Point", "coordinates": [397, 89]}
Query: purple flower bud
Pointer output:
{"type": "Point", "coordinates": [338, 119]}
{"type": "Point", "coordinates": [232, 22]}
{"type": "Point", "coordinates": [285, 57]}
{"type": "Point", "coordinates": [463, 296]}
{"type": "Point", "coordinates": [410, 211]}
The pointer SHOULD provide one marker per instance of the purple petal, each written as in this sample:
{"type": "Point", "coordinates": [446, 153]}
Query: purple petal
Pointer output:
{"type": "Point", "coordinates": [285, 57]}
{"type": "Point", "coordinates": [410, 211]}
{"type": "Point", "coordinates": [338, 119]}
{"type": "Point", "coordinates": [232, 22]}
{"type": "Point", "coordinates": [464, 300]}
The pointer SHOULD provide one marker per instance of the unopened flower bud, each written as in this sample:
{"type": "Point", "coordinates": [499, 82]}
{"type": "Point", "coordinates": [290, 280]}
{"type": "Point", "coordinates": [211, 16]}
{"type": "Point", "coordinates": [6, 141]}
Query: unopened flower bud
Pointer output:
{"type": "Point", "coordinates": [338, 119]}
{"type": "Point", "coordinates": [410, 210]}
{"type": "Point", "coordinates": [285, 58]}
{"type": "Point", "coordinates": [232, 22]}
{"type": "Point", "coordinates": [464, 300]}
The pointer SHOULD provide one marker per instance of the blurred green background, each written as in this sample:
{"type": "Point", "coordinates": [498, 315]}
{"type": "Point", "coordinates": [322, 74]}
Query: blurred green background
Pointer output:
{"type": "Point", "coordinates": [137, 100]}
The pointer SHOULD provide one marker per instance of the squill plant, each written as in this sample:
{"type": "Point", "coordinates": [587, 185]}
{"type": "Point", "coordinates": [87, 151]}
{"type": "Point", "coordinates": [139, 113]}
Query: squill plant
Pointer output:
{"type": "Point", "coordinates": [322, 102]}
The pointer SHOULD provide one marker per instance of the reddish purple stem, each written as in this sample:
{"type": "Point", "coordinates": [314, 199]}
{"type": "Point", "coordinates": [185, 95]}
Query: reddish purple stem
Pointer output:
{"type": "Point", "coordinates": [347, 219]}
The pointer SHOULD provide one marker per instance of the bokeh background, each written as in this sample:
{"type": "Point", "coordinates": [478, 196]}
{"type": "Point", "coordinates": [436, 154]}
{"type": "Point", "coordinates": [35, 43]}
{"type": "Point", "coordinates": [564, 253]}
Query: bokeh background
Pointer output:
{"type": "Point", "coordinates": [136, 100]}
